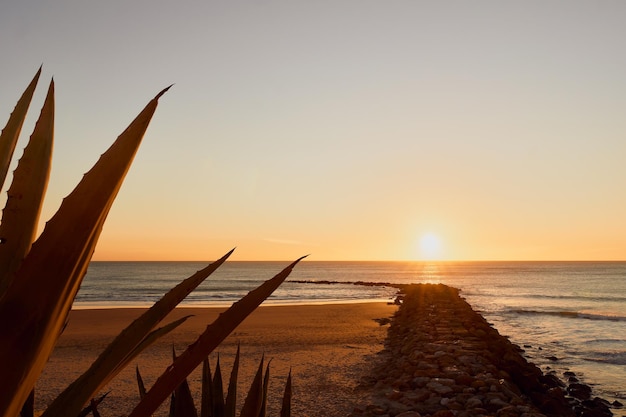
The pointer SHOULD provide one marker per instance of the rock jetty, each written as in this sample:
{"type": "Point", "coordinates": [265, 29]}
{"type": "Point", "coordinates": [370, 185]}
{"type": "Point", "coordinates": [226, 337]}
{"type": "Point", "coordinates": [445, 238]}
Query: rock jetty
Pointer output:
{"type": "Point", "coordinates": [442, 359]}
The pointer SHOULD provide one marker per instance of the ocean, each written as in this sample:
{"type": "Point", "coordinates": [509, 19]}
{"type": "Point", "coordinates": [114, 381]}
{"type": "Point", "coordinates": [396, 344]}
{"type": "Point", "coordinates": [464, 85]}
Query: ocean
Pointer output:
{"type": "Point", "coordinates": [567, 316]}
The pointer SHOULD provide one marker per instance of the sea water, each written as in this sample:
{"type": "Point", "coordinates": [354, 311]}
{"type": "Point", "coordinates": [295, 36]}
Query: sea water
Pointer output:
{"type": "Point", "coordinates": [568, 316]}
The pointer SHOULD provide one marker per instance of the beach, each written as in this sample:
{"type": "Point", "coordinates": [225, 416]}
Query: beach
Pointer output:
{"type": "Point", "coordinates": [429, 355]}
{"type": "Point", "coordinates": [329, 349]}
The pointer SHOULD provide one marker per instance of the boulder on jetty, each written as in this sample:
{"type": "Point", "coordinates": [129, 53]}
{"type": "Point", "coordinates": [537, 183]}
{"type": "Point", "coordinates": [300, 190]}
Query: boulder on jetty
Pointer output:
{"type": "Point", "coordinates": [443, 359]}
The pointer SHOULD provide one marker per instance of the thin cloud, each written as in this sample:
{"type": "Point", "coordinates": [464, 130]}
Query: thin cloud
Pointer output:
{"type": "Point", "coordinates": [288, 242]}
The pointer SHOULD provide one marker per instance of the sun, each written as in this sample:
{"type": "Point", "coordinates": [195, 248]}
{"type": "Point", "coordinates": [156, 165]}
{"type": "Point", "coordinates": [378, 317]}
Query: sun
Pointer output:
{"type": "Point", "coordinates": [430, 247]}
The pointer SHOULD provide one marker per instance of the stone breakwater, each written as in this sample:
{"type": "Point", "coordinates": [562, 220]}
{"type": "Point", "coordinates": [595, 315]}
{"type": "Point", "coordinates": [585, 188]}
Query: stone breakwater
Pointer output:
{"type": "Point", "coordinates": [442, 359]}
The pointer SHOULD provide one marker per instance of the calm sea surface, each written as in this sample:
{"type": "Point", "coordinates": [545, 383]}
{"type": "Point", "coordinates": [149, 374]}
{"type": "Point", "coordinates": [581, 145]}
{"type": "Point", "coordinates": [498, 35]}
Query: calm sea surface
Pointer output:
{"type": "Point", "coordinates": [572, 311]}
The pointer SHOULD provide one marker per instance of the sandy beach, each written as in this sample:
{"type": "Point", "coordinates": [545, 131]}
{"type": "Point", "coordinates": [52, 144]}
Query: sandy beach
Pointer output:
{"type": "Point", "coordinates": [328, 347]}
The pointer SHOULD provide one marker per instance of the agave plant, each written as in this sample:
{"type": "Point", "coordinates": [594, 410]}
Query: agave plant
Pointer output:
{"type": "Point", "coordinates": [40, 276]}
{"type": "Point", "coordinates": [213, 403]}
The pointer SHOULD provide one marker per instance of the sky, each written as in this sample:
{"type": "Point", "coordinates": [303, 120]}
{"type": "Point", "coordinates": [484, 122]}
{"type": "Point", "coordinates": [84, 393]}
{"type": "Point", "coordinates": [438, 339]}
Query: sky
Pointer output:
{"type": "Point", "coordinates": [347, 130]}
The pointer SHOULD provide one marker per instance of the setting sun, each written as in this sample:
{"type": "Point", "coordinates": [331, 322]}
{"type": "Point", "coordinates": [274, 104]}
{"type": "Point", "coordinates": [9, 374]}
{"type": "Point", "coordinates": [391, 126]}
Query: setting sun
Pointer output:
{"type": "Point", "coordinates": [430, 247]}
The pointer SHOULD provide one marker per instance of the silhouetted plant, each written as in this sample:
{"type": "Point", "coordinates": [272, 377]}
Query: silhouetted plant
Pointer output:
{"type": "Point", "coordinates": [213, 403]}
{"type": "Point", "coordinates": [40, 276]}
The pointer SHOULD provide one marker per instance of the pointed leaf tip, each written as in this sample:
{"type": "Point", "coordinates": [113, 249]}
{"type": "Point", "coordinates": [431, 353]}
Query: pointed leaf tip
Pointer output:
{"type": "Point", "coordinates": [158, 96]}
{"type": "Point", "coordinates": [297, 260]}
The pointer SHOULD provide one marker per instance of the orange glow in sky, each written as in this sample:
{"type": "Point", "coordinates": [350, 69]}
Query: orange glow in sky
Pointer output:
{"type": "Point", "coordinates": [348, 131]}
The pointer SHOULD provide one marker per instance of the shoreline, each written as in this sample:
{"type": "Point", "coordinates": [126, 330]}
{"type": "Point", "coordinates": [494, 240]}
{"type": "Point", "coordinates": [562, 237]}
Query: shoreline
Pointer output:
{"type": "Point", "coordinates": [343, 353]}
{"type": "Point", "coordinates": [226, 304]}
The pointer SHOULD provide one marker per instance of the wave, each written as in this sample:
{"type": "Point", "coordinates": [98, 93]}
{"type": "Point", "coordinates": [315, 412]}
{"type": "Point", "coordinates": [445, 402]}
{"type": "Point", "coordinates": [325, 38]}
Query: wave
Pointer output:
{"type": "Point", "coordinates": [595, 298]}
{"type": "Point", "coordinates": [609, 342]}
{"type": "Point", "coordinates": [611, 358]}
{"type": "Point", "coordinates": [568, 314]}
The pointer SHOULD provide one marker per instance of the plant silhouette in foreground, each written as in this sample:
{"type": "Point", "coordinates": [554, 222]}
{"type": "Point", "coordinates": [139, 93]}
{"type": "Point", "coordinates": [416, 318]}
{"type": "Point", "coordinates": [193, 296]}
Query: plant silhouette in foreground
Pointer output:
{"type": "Point", "coordinates": [213, 401]}
{"type": "Point", "coordinates": [40, 276]}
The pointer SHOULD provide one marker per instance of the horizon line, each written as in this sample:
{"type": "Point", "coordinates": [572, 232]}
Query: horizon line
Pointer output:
{"type": "Point", "coordinates": [367, 260]}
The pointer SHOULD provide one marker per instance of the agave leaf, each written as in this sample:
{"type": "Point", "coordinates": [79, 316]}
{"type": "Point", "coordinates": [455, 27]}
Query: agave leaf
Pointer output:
{"type": "Point", "coordinates": [172, 412]}
{"type": "Point", "coordinates": [218, 390]}
{"type": "Point", "coordinates": [48, 279]}
{"type": "Point", "coordinates": [140, 384]}
{"type": "Point", "coordinates": [26, 194]}
{"type": "Point", "coordinates": [254, 400]}
{"type": "Point", "coordinates": [11, 132]}
{"type": "Point", "coordinates": [231, 398]}
{"type": "Point", "coordinates": [145, 343]}
{"type": "Point", "coordinates": [266, 384]}
{"type": "Point", "coordinates": [213, 335]}
{"type": "Point", "coordinates": [285, 410]}
{"type": "Point", "coordinates": [121, 349]}
{"type": "Point", "coordinates": [28, 409]}
{"type": "Point", "coordinates": [92, 407]}
{"type": "Point", "coordinates": [183, 405]}
{"type": "Point", "coordinates": [206, 405]}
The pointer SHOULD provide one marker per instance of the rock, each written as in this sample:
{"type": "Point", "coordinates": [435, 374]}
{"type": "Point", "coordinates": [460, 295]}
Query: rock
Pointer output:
{"type": "Point", "coordinates": [579, 391]}
{"type": "Point", "coordinates": [443, 359]}
{"type": "Point", "coordinates": [439, 388]}
{"type": "Point", "coordinates": [474, 402]}
{"type": "Point", "coordinates": [444, 413]}
{"type": "Point", "coordinates": [498, 403]}
{"type": "Point", "coordinates": [553, 381]}
{"type": "Point", "coordinates": [444, 381]}
{"type": "Point", "coordinates": [396, 407]}
{"type": "Point", "coordinates": [508, 411]}
{"type": "Point", "coordinates": [376, 410]}
{"type": "Point", "coordinates": [420, 381]}
{"type": "Point", "coordinates": [596, 408]}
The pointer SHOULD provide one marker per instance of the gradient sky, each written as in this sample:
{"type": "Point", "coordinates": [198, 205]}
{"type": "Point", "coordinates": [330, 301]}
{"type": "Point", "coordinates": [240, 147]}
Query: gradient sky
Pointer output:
{"type": "Point", "coordinates": [344, 129]}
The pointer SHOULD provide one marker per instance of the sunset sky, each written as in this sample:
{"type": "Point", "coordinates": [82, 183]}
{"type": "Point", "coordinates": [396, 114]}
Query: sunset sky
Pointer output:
{"type": "Point", "coordinates": [350, 130]}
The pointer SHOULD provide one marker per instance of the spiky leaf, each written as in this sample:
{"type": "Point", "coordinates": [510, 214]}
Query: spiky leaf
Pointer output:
{"type": "Point", "coordinates": [140, 385]}
{"type": "Point", "coordinates": [28, 409]}
{"type": "Point", "coordinates": [206, 404]}
{"type": "Point", "coordinates": [285, 410]}
{"type": "Point", "coordinates": [125, 346]}
{"type": "Point", "coordinates": [48, 279]}
{"type": "Point", "coordinates": [145, 343]}
{"type": "Point", "coordinates": [92, 408]}
{"type": "Point", "coordinates": [20, 216]}
{"type": "Point", "coordinates": [230, 407]}
{"type": "Point", "coordinates": [183, 401]}
{"type": "Point", "coordinates": [183, 405]}
{"type": "Point", "coordinates": [213, 335]}
{"type": "Point", "coordinates": [218, 390]}
{"type": "Point", "coordinates": [254, 400]}
{"type": "Point", "coordinates": [11, 131]}
{"type": "Point", "coordinates": [266, 384]}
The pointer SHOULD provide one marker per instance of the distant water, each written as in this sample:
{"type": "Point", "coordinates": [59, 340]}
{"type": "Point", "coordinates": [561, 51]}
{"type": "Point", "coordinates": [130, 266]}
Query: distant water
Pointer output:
{"type": "Point", "coordinates": [572, 311]}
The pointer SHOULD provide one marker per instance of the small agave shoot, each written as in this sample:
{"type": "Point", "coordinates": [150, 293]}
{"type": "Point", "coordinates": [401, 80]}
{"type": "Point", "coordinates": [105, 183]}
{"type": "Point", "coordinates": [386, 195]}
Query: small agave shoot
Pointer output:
{"type": "Point", "coordinates": [40, 276]}
{"type": "Point", "coordinates": [214, 403]}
